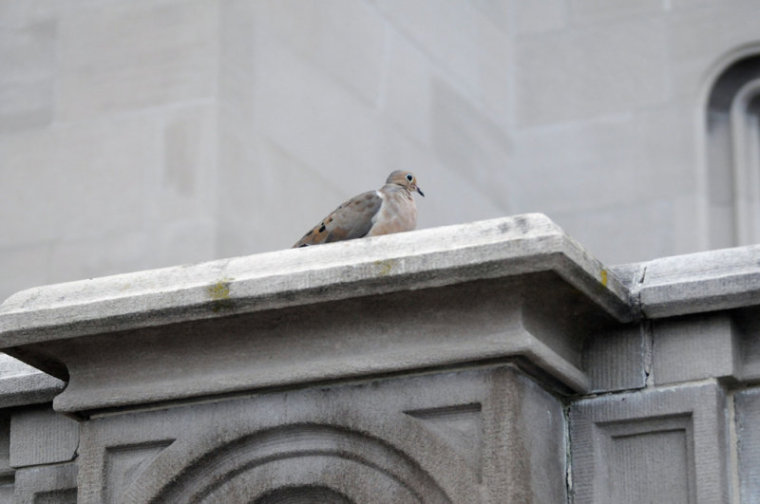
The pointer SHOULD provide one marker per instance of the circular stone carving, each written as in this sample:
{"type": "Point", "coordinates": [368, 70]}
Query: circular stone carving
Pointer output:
{"type": "Point", "coordinates": [292, 462]}
{"type": "Point", "coordinates": [303, 495]}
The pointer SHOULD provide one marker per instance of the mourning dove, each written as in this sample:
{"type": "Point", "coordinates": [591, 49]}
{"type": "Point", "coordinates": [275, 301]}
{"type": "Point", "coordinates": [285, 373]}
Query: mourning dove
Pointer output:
{"type": "Point", "coordinates": [390, 209]}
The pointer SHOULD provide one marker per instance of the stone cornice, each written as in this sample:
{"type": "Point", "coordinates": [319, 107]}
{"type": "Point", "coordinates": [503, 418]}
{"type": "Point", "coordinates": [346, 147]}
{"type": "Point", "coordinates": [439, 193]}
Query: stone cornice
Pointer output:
{"type": "Point", "coordinates": [514, 289]}
{"type": "Point", "coordinates": [427, 258]}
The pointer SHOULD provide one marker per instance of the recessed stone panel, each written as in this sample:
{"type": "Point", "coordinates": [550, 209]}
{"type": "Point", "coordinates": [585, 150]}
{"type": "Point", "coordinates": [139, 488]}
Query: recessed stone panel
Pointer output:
{"type": "Point", "coordinates": [665, 445]}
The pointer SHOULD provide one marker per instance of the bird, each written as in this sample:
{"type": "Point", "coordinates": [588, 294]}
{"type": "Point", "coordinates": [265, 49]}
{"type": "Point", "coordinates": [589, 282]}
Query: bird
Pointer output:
{"type": "Point", "coordinates": [390, 209]}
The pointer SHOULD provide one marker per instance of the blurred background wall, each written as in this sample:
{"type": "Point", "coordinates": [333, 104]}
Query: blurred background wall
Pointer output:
{"type": "Point", "coordinates": [143, 133]}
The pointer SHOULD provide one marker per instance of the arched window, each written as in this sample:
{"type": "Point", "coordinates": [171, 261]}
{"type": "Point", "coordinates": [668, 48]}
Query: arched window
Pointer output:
{"type": "Point", "coordinates": [733, 140]}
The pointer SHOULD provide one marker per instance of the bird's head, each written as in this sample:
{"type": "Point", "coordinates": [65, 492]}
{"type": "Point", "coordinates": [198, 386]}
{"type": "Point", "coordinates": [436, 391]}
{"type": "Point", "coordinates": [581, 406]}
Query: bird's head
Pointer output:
{"type": "Point", "coordinates": [405, 179]}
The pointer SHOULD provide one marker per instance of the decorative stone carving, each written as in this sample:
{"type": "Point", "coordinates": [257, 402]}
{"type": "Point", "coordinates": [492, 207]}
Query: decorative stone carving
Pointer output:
{"type": "Point", "coordinates": [461, 437]}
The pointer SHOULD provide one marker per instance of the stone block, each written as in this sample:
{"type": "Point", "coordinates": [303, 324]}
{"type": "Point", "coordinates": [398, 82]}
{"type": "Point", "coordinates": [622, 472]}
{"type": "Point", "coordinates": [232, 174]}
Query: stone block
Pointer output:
{"type": "Point", "coordinates": [31, 388]}
{"type": "Point", "coordinates": [695, 347]}
{"type": "Point", "coordinates": [700, 282]}
{"type": "Point", "coordinates": [498, 12]}
{"type": "Point", "coordinates": [81, 178]}
{"type": "Point", "coordinates": [471, 47]}
{"type": "Point", "coordinates": [7, 490]}
{"type": "Point", "coordinates": [616, 359]}
{"type": "Point", "coordinates": [409, 86]}
{"type": "Point", "coordinates": [463, 313]}
{"type": "Point", "coordinates": [22, 14]}
{"type": "Point", "coordinates": [167, 55]}
{"type": "Point", "coordinates": [604, 11]}
{"type": "Point", "coordinates": [253, 352]}
{"type": "Point", "coordinates": [237, 63]}
{"type": "Point", "coordinates": [27, 75]}
{"type": "Point", "coordinates": [594, 167]}
{"type": "Point", "coordinates": [663, 445]}
{"type": "Point", "coordinates": [23, 385]}
{"type": "Point", "coordinates": [314, 131]}
{"type": "Point", "coordinates": [42, 436]}
{"type": "Point", "coordinates": [342, 38]}
{"type": "Point", "coordinates": [55, 484]}
{"type": "Point", "coordinates": [244, 229]}
{"type": "Point", "coordinates": [6, 471]}
{"type": "Point", "coordinates": [630, 275]}
{"type": "Point", "coordinates": [747, 408]}
{"type": "Point", "coordinates": [510, 246]}
{"type": "Point", "coordinates": [185, 187]}
{"type": "Point", "coordinates": [466, 437]}
{"type": "Point", "coordinates": [724, 34]}
{"type": "Point", "coordinates": [462, 135]}
{"type": "Point", "coordinates": [630, 70]}
{"type": "Point", "coordinates": [747, 321]}
{"type": "Point", "coordinates": [538, 17]}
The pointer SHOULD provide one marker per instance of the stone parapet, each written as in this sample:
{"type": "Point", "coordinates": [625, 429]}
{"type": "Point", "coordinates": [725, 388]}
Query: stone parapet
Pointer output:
{"type": "Point", "coordinates": [488, 362]}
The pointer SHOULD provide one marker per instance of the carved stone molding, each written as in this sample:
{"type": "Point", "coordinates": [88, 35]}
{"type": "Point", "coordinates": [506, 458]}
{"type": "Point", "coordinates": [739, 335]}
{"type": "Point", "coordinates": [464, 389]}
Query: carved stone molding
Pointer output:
{"type": "Point", "coordinates": [509, 289]}
{"type": "Point", "coordinates": [464, 437]}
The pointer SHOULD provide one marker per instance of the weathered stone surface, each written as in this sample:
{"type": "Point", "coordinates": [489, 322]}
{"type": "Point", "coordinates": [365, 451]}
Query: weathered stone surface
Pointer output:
{"type": "Point", "coordinates": [41, 436]}
{"type": "Point", "coordinates": [747, 404]}
{"type": "Point", "coordinates": [695, 347]}
{"type": "Point", "coordinates": [434, 363]}
{"type": "Point", "coordinates": [27, 81]}
{"type": "Point", "coordinates": [257, 67]}
{"type": "Point", "coordinates": [427, 258]}
{"type": "Point", "coordinates": [570, 56]}
{"type": "Point", "coordinates": [448, 326]}
{"type": "Point", "coordinates": [167, 56]}
{"type": "Point", "coordinates": [662, 445]}
{"type": "Point", "coordinates": [442, 436]}
{"type": "Point", "coordinates": [616, 359]}
{"type": "Point", "coordinates": [747, 321]}
{"type": "Point", "coordinates": [594, 11]}
{"type": "Point", "coordinates": [53, 484]}
{"type": "Point", "coordinates": [21, 384]}
{"type": "Point", "coordinates": [34, 388]}
{"type": "Point", "coordinates": [478, 292]}
{"type": "Point", "coordinates": [140, 134]}
{"type": "Point", "coordinates": [701, 282]}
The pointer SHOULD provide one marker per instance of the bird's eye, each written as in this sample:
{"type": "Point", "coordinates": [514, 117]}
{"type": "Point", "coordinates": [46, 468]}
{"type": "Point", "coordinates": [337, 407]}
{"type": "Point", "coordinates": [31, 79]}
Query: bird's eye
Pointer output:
{"type": "Point", "coordinates": [409, 177]}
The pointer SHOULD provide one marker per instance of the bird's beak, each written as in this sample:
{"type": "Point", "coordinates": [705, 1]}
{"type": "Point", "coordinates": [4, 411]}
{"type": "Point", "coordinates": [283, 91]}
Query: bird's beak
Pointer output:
{"type": "Point", "coordinates": [420, 191]}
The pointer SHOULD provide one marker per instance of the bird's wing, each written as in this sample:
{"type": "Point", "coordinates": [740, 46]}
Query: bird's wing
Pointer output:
{"type": "Point", "coordinates": [352, 219]}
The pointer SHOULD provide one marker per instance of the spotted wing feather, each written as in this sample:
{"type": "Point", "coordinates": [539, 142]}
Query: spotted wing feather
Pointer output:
{"type": "Point", "coordinates": [352, 219]}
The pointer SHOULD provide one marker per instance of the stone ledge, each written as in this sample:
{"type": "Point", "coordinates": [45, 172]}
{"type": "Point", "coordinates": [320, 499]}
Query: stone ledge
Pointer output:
{"type": "Point", "coordinates": [695, 283]}
{"type": "Point", "coordinates": [406, 261]}
{"type": "Point", "coordinates": [21, 385]}
{"type": "Point", "coordinates": [33, 388]}
{"type": "Point", "coordinates": [515, 288]}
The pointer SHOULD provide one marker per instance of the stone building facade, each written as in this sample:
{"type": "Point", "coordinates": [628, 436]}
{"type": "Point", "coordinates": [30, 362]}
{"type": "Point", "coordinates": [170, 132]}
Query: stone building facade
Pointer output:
{"type": "Point", "coordinates": [484, 363]}
{"type": "Point", "coordinates": [489, 361]}
{"type": "Point", "coordinates": [146, 133]}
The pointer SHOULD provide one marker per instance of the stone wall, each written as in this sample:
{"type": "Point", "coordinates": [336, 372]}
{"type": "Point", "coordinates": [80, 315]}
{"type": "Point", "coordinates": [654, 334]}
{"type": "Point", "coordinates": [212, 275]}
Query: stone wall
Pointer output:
{"type": "Point", "coordinates": [491, 362]}
{"type": "Point", "coordinates": [145, 133]}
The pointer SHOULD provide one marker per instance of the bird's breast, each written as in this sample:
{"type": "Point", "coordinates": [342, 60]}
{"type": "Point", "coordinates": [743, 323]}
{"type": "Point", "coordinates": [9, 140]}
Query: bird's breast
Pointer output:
{"type": "Point", "coordinates": [397, 213]}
